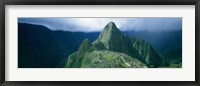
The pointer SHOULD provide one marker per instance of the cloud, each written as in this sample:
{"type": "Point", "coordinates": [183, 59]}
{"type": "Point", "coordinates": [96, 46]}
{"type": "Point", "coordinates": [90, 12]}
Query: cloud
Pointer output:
{"type": "Point", "coordinates": [97, 24]}
{"type": "Point", "coordinates": [153, 24]}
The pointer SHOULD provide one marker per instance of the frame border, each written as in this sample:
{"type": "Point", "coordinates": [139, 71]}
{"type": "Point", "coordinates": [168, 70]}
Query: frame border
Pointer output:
{"type": "Point", "coordinates": [3, 3]}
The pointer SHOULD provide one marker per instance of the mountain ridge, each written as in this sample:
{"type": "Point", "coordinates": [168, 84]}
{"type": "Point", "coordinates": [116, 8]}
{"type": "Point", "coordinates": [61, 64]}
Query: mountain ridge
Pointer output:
{"type": "Point", "coordinates": [112, 39]}
{"type": "Point", "coordinates": [40, 47]}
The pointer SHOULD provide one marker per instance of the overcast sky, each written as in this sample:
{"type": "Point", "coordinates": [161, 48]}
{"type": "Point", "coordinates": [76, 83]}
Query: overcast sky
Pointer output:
{"type": "Point", "coordinates": [97, 24]}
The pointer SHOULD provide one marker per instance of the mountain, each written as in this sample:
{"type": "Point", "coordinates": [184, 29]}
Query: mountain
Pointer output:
{"type": "Point", "coordinates": [40, 47]}
{"type": "Point", "coordinates": [168, 44]}
{"type": "Point", "coordinates": [115, 47]}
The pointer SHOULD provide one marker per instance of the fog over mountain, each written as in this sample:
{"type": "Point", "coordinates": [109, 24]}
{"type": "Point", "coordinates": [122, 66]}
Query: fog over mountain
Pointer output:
{"type": "Point", "coordinates": [96, 24]}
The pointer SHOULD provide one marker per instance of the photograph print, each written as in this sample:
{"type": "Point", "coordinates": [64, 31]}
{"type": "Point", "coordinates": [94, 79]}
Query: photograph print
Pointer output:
{"type": "Point", "coordinates": [100, 42]}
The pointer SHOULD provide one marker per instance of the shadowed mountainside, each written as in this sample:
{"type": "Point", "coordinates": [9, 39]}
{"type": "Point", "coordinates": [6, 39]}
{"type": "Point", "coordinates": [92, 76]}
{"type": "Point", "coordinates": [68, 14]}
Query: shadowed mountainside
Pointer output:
{"type": "Point", "coordinates": [40, 47]}
{"type": "Point", "coordinates": [167, 43]}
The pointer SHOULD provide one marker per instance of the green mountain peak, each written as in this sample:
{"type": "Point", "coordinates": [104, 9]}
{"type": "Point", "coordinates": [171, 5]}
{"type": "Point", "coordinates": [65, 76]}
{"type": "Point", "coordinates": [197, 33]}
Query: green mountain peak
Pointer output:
{"type": "Point", "coordinates": [114, 40]}
{"type": "Point", "coordinates": [111, 37]}
{"type": "Point", "coordinates": [113, 47]}
{"type": "Point", "coordinates": [86, 41]}
{"type": "Point", "coordinates": [111, 25]}
{"type": "Point", "coordinates": [84, 47]}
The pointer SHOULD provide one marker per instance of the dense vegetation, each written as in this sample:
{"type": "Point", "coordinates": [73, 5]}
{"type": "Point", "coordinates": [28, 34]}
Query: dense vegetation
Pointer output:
{"type": "Point", "coordinates": [40, 47]}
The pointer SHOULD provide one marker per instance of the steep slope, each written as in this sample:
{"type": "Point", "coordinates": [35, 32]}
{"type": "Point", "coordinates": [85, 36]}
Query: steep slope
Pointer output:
{"type": "Point", "coordinates": [167, 43]}
{"type": "Point", "coordinates": [85, 47]}
{"type": "Point", "coordinates": [114, 40]}
{"type": "Point", "coordinates": [40, 47]}
{"type": "Point", "coordinates": [112, 44]}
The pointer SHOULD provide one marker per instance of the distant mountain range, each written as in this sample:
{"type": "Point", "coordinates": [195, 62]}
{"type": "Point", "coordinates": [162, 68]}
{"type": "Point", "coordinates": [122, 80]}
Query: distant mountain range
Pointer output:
{"type": "Point", "coordinates": [40, 47]}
